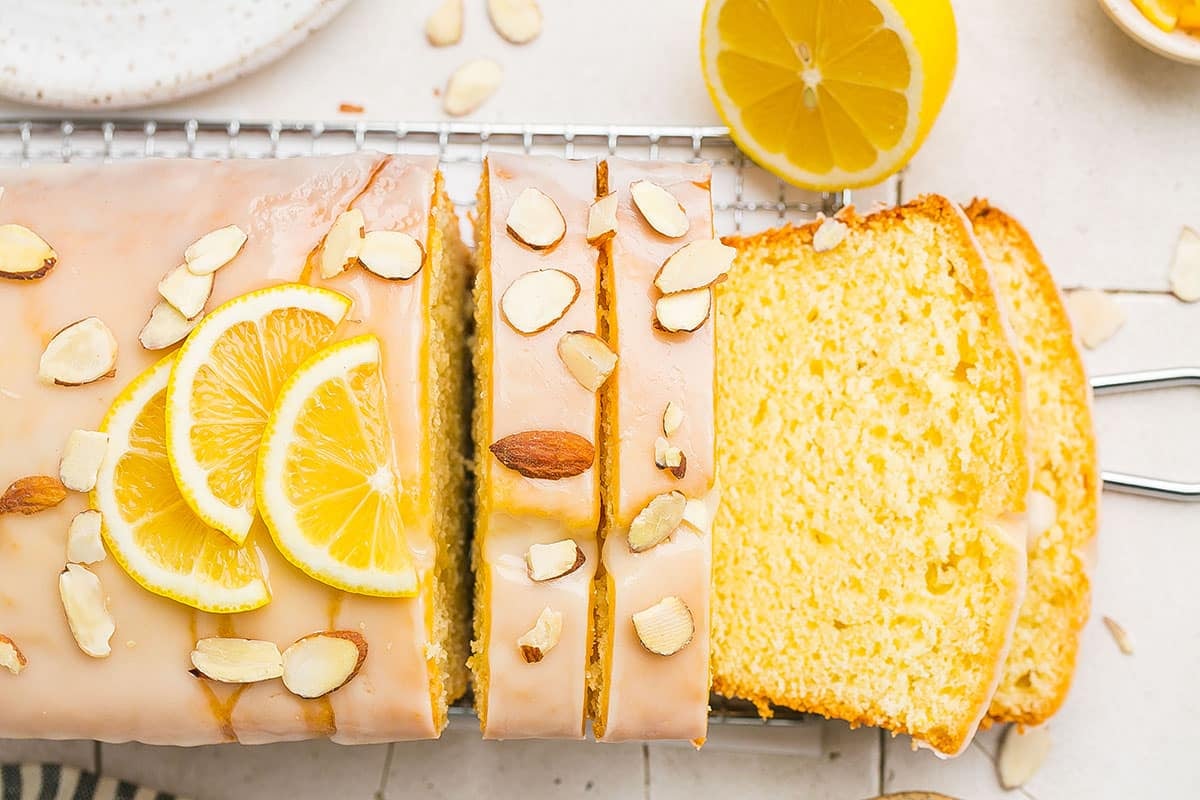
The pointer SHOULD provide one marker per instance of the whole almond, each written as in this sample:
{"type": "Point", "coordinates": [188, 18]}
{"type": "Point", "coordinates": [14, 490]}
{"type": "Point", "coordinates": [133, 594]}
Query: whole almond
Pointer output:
{"type": "Point", "coordinates": [552, 455]}
{"type": "Point", "coordinates": [32, 494]}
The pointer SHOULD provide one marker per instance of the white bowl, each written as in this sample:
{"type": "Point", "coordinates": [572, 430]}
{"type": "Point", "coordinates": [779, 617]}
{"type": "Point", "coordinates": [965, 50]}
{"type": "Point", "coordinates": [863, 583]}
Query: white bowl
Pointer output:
{"type": "Point", "coordinates": [1177, 45]}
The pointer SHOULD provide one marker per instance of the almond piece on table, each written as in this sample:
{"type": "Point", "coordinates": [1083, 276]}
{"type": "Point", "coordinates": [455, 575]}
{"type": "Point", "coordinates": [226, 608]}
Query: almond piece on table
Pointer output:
{"type": "Point", "coordinates": [535, 221]}
{"type": "Point", "coordinates": [1095, 315]}
{"type": "Point", "coordinates": [546, 562]}
{"type": "Point", "coordinates": [551, 455]}
{"type": "Point", "coordinates": [392, 255]}
{"type": "Point", "coordinates": [829, 235]}
{"type": "Point", "coordinates": [24, 256]}
{"type": "Point", "coordinates": [1119, 635]}
{"type": "Point", "coordinates": [517, 21]}
{"type": "Point", "coordinates": [84, 545]}
{"type": "Point", "coordinates": [444, 26]}
{"type": "Point", "coordinates": [87, 610]}
{"type": "Point", "coordinates": [672, 418]}
{"type": "Point", "coordinates": [11, 657]}
{"type": "Point", "coordinates": [683, 312]}
{"type": "Point", "coordinates": [696, 265]}
{"type": "Point", "coordinates": [1185, 268]}
{"type": "Point", "coordinates": [214, 249]}
{"type": "Point", "coordinates": [666, 627]}
{"type": "Point", "coordinates": [470, 85]}
{"type": "Point", "coordinates": [656, 521]}
{"type": "Point", "coordinates": [32, 494]}
{"type": "Point", "coordinates": [232, 660]}
{"type": "Point", "coordinates": [587, 358]}
{"type": "Point", "coordinates": [165, 327]}
{"type": "Point", "coordinates": [539, 640]}
{"type": "Point", "coordinates": [602, 219]}
{"type": "Point", "coordinates": [695, 513]}
{"type": "Point", "coordinates": [343, 243]}
{"type": "Point", "coordinates": [659, 208]}
{"type": "Point", "coordinates": [82, 456]}
{"type": "Point", "coordinates": [323, 662]}
{"type": "Point", "coordinates": [1021, 754]}
{"type": "Point", "coordinates": [538, 299]}
{"type": "Point", "coordinates": [186, 290]}
{"type": "Point", "coordinates": [80, 353]}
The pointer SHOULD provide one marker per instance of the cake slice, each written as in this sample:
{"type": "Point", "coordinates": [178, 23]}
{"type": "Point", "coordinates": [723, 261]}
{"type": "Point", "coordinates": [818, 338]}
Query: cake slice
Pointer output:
{"type": "Point", "coordinates": [1064, 506]}
{"type": "Point", "coordinates": [869, 551]}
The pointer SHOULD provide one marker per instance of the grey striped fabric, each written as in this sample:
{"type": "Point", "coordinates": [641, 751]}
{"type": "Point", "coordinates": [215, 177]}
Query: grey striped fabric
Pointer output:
{"type": "Point", "coordinates": [58, 782]}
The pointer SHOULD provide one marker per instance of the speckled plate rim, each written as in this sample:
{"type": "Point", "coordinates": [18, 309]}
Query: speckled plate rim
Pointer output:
{"type": "Point", "coordinates": [20, 89]}
{"type": "Point", "coordinates": [1177, 46]}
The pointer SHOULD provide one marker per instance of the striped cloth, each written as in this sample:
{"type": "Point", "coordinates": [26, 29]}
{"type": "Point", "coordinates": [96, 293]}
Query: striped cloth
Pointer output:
{"type": "Point", "coordinates": [58, 782]}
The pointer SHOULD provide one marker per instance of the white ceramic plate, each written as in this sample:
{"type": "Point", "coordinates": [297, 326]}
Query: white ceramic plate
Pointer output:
{"type": "Point", "coordinates": [1176, 45]}
{"type": "Point", "coordinates": [125, 53]}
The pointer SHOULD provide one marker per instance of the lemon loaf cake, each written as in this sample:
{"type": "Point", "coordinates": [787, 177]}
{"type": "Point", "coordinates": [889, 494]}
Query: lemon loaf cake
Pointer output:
{"type": "Point", "coordinates": [651, 676]}
{"type": "Point", "coordinates": [322, 308]}
{"type": "Point", "coordinates": [538, 363]}
{"type": "Point", "coordinates": [1064, 505]}
{"type": "Point", "coordinates": [869, 550]}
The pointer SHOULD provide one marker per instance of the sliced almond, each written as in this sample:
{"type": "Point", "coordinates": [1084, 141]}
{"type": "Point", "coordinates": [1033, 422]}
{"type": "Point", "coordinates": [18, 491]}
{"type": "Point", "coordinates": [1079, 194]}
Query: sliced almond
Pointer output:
{"type": "Point", "coordinates": [32, 494]}
{"type": "Point", "coordinates": [11, 657]}
{"type": "Point", "coordinates": [186, 290]}
{"type": "Point", "coordinates": [660, 452]}
{"type": "Point", "coordinates": [84, 545]}
{"type": "Point", "coordinates": [696, 265]}
{"type": "Point", "coordinates": [1042, 513]}
{"type": "Point", "coordinates": [535, 221]}
{"type": "Point", "coordinates": [518, 21]}
{"type": "Point", "coordinates": [214, 250]}
{"type": "Point", "coordinates": [470, 85]}
{"type": "Point", "coordinates": [683, 312]}
{"type": "Point", "coordinates": [551, 455]}
{"type": "Point", "coordinates": [233, 660]}
{"type": "Point", "coordinates": [538, 299]}
{"type": "Point", "coordinates": [667, 456]}
{"type": "Point", "coordinates": [24, 256]}
{"type": "Point", "coordinates": [677, 462]}
{"type": "Point", "coordinates": [672, 418]}
{"type": "Point", "coordinates": [1021, 754]}
{"type": "Point", "coordinates": [165, 327]}
{"type": "Point", "coordinates": [80, 353]}
{"type": "Point", "coordinates": [602, 219]}
{"type": "Point", "coordinates": [1119, 635]}
{"type": "Point", "coordinates": [323, 662]}
{"type": "Point", "coordinates": [392, 255]}
{"type": "Point", "coordinates": [829, 235]}
{"type": "Point", "coordinates": [343, 244]}
{"type": "Point", "coordinates": [587, 358]}
{"type": "Point", "coordinates": [656, 521]}
{"type": "Point", "coordinates": [1095, 314]}
{"type": "Point", "coordinates": [666, 627]}
{"type": "Point", "coordinates": [445, 25]}
{"type": "Point", "coordinates": [546, 562]}
{"type": "Point", "coordinates": [82, 456]}
{"type": "Point", "coordinates": [539, 640]}
{"type": "Point", "coordinates": [659, 208]}
{"type": "Point", "coordinates": [1185, 268]}
{"type": "Point", "coordinates": [695, 513]}
{"type": "Point", "coordinates": [87, 610]}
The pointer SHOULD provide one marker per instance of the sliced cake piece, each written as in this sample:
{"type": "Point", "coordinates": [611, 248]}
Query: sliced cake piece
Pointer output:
{"type": "Point", "coordinates": [536, 417]}
{"type": "Point", "coordinates": [1063, 510]}
{"type": "Point", "coordinates": [651, 676]}
{"type": "Point", "coordinates": [869, 553]}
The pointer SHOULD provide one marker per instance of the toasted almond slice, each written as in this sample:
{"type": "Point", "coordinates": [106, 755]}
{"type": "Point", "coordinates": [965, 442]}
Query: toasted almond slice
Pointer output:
{"type": "Point", "coordinates": [680, 469]}
{"type": "Point", "coordinates": [829, 235]}
{"type": "Point", "coordinates": [602, 219]}
{"type": "Point", "coordinates": [80, 353]}
{"type": "Point", "coordinates": [24, 256]}
{"type": "Point", "coordinates": [1119, 635]}
{"type": "Point", "coordinates": [535, 221]}
{"type": "Point", "coordinates": [683, 312]}
{"type": "Point", "coordinates": [660, 452]}
{"type": "Point", "coordinates": [1022, 754]}
{"type": "Point", "coordinates": [470, 85]}
{"type": "Point", "coordinates": [587, 358]}
{"type": "Point", "coordinates": [1095, 315]}
{"type": "Point", "coordinates": [233, 660]}
{"type": "Point", "coordinates": [546, 562]}
{"type": "Point", "coordinates": [186, 290]}
{"type": "Point", "coordinates": [343, 244]}
{"type": "Point", "coordinates": [214, 250]}
{"type": "Point", "coordinates": [539, 640]}
{"type": "Point", "coordinates": [82, 456]}
{"type": "Point", "coordinates": [1185, 268]}
{"type": "Point", "coordinates": [84, 545]}
{"type": "Point", "coordinates": [1042, 514]}
{"type": "Point", "coordinates": [673, 457]}
{"type": "Point", "coordinates": [551, 455]}
{"type": "Point", "coordinates": [695, 513]}
{"type": "Point", "coordinates": [672, 418]}
{"type": "Point", "coordinates": [666, 627]}
{"type": "Point", "coordinates": [165, 327]}
{"type": "Point", "coordinates": [444, 26]}
{"type": "Point", "coordinates": [696, 265]}
{"type": "Point", "coordinates": [659, 208]}
{"type": "Point", "coordinates": [393, 255]}
{"type": "Point", "coordinates": [87, 610]}
{"type": "Point", "coordinates": [517, 21]}
{"type": "Point", "coordinates": [32, 494]}
{"type": "Point", "coordinates": [323, 662]}
{"type": "Point", "coordinates": [656, 521]}
{"type": "Point", "coordinates": [11, 657]}
{"type": "Point", "coordinates": [538, 299]}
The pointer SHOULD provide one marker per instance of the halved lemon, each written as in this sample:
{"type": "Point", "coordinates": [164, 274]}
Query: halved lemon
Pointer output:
{"type": "Point", "coordinates": [829, 94]}
{"type": "Point", "coordinates": [328, 486]}
{"type": "Point", "coordinates": [149, 529]}
{"type": "Point", "coordinates": [223, 387]}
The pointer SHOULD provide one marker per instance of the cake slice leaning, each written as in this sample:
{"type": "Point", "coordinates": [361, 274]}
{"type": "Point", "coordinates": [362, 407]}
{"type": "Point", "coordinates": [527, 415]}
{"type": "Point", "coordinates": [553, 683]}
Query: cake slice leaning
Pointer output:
{"type": "Point", "coordinates": [1064, 505]}
{"type": "Point", "coordinates": [869, 551]}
